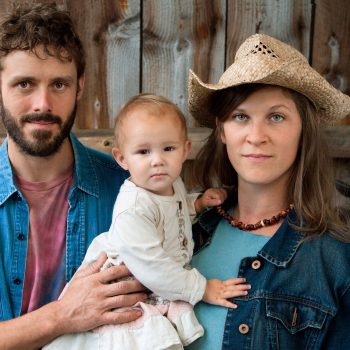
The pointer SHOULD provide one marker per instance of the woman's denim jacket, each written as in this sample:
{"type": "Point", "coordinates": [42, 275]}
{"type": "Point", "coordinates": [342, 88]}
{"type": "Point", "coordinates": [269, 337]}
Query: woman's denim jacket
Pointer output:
{"type": "Point", "coordinates": [300, 295]}
{"type": "Point", "coordinates": [96, 183]}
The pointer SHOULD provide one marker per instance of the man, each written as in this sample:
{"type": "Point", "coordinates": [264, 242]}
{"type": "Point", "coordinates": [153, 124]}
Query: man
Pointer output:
{"type": "Point", "coordinates": [56, 195]}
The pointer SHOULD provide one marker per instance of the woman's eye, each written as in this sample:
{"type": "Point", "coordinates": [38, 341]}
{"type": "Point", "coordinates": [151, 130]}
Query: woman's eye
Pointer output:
{"type": "Point", "coordinates": [277, 118]}
{"type": "Point", "coordinates": [240, 117]}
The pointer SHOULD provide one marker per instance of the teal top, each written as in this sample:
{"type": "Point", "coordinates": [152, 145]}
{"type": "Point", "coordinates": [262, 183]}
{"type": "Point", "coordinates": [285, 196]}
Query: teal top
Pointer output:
{"type": "Point", "coordinates": [221, 260]}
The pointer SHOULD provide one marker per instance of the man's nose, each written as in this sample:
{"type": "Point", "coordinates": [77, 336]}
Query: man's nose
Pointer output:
{"type": "Point", "coordinates": [42, 101]}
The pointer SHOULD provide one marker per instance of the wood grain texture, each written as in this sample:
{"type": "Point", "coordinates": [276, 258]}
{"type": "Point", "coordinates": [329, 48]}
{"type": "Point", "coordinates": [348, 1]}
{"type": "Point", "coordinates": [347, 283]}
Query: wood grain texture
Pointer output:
{"type": "Point", "coordinates": [110, 33]}
{"type": "Point", "coordinates": [331, 43]}
{"type": "Point", "coordinates": [289, 21]}
{"type": "Point", "coordinates": [178, 35]}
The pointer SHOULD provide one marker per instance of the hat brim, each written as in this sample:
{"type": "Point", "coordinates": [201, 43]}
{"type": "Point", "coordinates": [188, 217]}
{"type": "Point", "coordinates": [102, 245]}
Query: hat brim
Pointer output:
{"type": "Point", "coordinates": [330, 103]}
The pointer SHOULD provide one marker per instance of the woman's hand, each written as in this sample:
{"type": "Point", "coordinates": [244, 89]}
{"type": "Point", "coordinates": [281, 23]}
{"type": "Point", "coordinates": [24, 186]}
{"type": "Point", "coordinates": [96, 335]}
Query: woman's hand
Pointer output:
{"type": "Point", "coordinates": [217, 292]}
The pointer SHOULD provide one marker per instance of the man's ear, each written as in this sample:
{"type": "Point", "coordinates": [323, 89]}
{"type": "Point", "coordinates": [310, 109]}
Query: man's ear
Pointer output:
{"type": "Point", "coordinates": [220, 130]}
{"type": "Point", "coordinates": [81, 83]}
{"type": "Point", "coordinates": [119, 158]}
{"type": "Point", "coordinates": [187, 149]}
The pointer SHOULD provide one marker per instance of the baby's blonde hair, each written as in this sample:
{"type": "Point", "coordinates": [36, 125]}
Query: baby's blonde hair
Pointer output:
{"type": "Point", "coordinates": [158, 103]}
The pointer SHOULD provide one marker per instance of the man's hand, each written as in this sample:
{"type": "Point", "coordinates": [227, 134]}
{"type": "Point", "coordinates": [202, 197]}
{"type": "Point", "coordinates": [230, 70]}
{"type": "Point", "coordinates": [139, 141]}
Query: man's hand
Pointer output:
{"type": "Point", "coordinates": [90, 298]}
{"type": "Point", "coordinates": [211, 197]}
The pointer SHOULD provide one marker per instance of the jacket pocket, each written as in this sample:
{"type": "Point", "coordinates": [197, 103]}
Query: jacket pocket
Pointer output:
{"type": "Point", "coordinates": [295, 324]}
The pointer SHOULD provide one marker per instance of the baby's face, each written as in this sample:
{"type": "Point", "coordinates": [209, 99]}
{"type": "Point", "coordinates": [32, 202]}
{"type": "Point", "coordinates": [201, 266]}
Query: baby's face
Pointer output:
{"type": "Point", "coordinates": [153, 149]}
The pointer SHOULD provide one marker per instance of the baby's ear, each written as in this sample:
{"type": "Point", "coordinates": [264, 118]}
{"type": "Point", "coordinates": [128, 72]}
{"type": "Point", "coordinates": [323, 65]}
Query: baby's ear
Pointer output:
{"type": "Point", "coordinates": [119, 158]}
{"type": "Point", "coordinates": [187, 149]}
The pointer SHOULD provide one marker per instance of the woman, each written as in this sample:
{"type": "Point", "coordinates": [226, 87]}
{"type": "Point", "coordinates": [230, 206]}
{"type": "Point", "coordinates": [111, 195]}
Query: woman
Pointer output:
{"type": "Point", "coordinates": [280, 228]}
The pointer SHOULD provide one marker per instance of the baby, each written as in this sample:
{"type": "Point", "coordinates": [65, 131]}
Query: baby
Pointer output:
{"type": "Point", "coordinates": [151, 234]}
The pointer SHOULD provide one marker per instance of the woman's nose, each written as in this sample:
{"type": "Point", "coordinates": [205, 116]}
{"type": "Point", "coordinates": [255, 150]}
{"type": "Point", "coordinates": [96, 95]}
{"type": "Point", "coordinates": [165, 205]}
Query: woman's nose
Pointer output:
{"type": "Point", "coordinates": [257, 133]}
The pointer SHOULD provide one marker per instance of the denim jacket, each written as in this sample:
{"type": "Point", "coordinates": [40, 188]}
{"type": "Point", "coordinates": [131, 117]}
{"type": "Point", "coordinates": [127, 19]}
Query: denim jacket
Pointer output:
{"type": "Point", "coordinates": [96, 182]}
{"type": "Point", "coordinates": [300, 295]}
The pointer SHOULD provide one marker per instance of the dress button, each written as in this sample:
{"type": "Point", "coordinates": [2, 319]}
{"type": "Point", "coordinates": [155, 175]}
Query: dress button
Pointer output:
{"type": "Point", "coordinates": [256, 264]}
{"type": "Point", "coordinates": [21, 237]}
{"type": "Point", "coordinates": [243, 328]}
{"type": "Point", "coordinates": [17, 281]}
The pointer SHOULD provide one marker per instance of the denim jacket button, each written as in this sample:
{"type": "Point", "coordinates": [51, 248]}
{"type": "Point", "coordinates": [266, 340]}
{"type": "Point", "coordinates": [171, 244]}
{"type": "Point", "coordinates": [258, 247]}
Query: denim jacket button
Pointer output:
{"type": "Point", "coordinates": [21, 237]}
{"type": "Point", "coordinates": [17, 281]}
{"type": "Point", "coordinates": [243, 328]}
{"type": "Point", "coordinates": [256, 264]}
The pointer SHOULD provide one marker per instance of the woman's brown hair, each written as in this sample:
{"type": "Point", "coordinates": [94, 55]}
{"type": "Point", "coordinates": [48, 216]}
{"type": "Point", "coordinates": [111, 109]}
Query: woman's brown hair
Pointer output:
{"type": "Point", "coordinates": [312, 183]}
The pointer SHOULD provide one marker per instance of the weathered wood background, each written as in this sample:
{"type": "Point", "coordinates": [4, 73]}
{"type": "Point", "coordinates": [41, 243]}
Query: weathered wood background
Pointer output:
{"type": "Point", "coordinates": [137, 46]}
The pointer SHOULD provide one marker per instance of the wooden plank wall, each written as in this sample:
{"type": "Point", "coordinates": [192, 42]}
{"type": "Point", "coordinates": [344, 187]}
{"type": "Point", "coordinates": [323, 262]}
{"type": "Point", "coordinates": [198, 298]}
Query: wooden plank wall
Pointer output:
{"type": "Point", "coordinates": [149, 45]}
{"type": "Point", "coordinates": [137, 46]}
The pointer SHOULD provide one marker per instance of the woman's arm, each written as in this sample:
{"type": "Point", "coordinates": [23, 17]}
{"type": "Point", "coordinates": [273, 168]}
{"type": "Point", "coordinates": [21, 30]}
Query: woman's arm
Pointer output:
{"type": "Point", "coordinates": [338, 335]}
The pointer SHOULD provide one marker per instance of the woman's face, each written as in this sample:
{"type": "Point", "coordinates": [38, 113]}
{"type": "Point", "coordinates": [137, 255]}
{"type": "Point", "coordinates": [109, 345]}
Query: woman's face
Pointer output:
{"type": "Point", "coordinates": [262, 137]}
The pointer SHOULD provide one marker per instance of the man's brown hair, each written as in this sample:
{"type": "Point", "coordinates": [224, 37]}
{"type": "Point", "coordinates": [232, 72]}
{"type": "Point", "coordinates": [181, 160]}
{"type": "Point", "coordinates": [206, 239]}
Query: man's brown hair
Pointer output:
{"type": "Point", "coordinates": [28, 26]}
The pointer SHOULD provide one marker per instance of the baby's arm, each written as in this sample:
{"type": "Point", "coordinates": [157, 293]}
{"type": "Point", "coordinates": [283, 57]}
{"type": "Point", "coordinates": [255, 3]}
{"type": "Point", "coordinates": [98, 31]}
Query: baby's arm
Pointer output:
{"type": "Point", "coordinates": [141, 247]}
{"type": "Point", "coordinates": [211, 197]}
{"type": "Point", "coordinates": [217, 292]}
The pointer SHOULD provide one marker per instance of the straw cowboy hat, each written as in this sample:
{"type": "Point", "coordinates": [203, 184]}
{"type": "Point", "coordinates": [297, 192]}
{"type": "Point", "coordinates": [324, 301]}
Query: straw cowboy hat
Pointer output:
{"type": "Point", "coordinates": [266, 60]}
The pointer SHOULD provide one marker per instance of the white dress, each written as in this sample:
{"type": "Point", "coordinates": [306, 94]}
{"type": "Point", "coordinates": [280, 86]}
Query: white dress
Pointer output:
{"type": "Point", "coordinates": [152, 235]}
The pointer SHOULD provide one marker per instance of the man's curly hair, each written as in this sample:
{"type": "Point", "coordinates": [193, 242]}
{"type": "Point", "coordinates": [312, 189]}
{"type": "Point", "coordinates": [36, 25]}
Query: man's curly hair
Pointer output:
{"type": "Point", "coordinates": [28, 26]}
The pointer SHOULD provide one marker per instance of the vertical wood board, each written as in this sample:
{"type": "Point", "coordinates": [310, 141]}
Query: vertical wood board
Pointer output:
{"type": "Point", "coordinates": [289, 21]}
{"type": "Point", "coordinates": [331, 43]}
{"type": "Point", "coordinates": [178, 35]}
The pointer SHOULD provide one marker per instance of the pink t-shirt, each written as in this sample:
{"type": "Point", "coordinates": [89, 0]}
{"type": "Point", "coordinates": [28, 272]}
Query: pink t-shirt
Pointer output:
{"type": "Point", "coordinates": [45, 268]}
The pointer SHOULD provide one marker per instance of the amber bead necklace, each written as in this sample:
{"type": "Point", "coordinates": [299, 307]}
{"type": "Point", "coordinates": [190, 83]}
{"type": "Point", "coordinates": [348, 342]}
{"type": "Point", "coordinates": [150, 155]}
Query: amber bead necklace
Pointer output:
{"type": "Point", "coordinates": [251, 227]}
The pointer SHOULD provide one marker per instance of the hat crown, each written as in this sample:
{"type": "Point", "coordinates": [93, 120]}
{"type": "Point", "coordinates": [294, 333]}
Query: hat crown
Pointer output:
{"type": "Point", "coordinates": [259, 55]}
{"type": "Point", "coordinates": [269, 46]}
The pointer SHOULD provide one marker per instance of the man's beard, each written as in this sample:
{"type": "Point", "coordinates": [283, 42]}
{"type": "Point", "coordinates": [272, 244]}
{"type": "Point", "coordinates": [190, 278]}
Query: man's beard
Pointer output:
{"type": "Point", "coordinates": [44, 144]}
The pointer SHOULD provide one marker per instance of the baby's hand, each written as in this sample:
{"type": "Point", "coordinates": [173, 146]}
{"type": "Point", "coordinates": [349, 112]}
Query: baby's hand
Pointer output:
{"type": "Point", "coordinates": [217, 292]}
{"type": "Point", "coordinates": [210, 198]}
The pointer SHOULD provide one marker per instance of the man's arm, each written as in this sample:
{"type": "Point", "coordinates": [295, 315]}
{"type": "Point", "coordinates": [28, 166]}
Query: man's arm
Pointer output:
{"type": "Point", "coordinates": [86, 304]}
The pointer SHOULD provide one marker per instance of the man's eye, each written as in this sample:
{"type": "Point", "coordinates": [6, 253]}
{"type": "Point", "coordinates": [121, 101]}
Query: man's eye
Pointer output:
{"type": "Point", "coordinates": [59, 85]}
{"type": "Point", "coordinates": [23, 84]}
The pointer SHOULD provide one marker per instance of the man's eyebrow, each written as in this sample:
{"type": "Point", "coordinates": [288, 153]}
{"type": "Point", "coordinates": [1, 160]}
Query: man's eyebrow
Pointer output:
{"type": "Point", "coordinates": [67, 78]}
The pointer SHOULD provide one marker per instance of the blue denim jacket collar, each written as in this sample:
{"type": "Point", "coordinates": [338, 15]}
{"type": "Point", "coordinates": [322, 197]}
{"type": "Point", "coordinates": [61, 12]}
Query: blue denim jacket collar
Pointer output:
{"type": "Point", "coordinates": [279, 250]}
{"type": "Point", "coordinates": [85, 176]}
{"type": "Point", "coordinates": [282, 246]}
{"type": "Point", "coordinates": [8, 187]}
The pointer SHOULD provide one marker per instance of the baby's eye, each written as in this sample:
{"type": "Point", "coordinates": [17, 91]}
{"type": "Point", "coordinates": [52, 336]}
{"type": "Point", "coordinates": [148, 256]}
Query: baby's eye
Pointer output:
{"type": "Point", "coordinates": [277, 118]}
{"type": "Point", "coordinates": [169, 148]}
{"type": "Point", "coordinates": [144, 151]}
